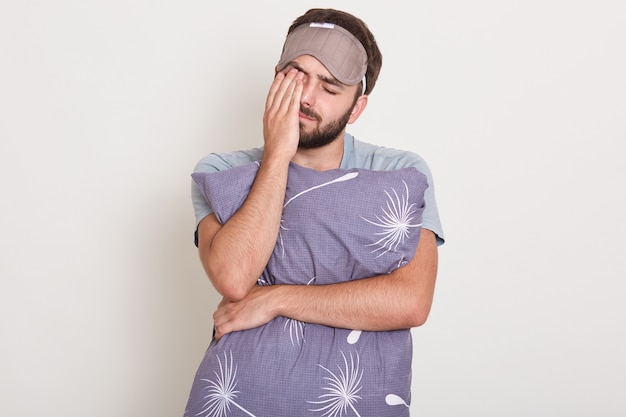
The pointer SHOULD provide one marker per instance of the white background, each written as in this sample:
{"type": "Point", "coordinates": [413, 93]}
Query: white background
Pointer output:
{"type": "Point", "coordinates": [105, 107]}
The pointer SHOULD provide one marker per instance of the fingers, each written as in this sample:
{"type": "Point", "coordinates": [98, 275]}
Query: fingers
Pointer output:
{"type": "Point", "coordinates": [284, 91]}
{"type": "Point", "coordinates": [280, 122]}
{"type": "Point", "coordinates": [278, 79]}
{"type": "Point", "coordinates": [296, 96]}
{"type": "Point", "coordinates": [220, 321]}
{"type": "Point", "coordinates": [225, 318]}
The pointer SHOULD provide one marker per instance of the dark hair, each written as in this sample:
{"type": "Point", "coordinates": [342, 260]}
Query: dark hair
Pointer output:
{"type": "Point", "coordinates": [355, 26]}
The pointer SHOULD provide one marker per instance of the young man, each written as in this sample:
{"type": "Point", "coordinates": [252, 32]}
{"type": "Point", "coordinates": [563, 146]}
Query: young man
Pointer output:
{"type": "Point", "coordinates": [328, 67]}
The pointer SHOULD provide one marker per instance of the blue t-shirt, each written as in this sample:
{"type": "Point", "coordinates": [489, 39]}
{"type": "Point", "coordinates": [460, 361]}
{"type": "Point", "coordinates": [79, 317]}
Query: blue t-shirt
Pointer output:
{"type": "Point", "coordinates": [356, 154]}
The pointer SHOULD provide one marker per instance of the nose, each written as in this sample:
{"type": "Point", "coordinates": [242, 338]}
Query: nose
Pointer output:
{"type": "Point", "coordinates": [308, 93]}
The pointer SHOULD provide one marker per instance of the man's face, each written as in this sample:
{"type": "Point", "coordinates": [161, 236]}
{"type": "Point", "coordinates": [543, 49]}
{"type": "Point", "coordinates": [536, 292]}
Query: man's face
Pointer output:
{"type": "Point", "coordinates": [326, 104]}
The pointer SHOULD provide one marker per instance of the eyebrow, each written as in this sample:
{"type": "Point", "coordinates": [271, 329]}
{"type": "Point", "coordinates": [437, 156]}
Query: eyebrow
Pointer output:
{"type": "Point", "coordinates": [329, 80]}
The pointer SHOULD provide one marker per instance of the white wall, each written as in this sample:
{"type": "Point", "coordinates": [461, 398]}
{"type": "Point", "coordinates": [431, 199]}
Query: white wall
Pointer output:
{"type": "Point", "coordinates": [105, 106]}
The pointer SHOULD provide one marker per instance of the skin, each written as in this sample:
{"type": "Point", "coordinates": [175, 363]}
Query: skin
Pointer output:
{"type": "Point", "coordinates": [235, 254]}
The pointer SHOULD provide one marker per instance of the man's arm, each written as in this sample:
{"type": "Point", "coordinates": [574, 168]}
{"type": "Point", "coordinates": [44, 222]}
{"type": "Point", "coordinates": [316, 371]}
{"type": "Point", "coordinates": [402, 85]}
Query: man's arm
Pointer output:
{"type": "Point", "coordinates": [399, 300]}
{"type": "Point", "coordinates": [235, 254]}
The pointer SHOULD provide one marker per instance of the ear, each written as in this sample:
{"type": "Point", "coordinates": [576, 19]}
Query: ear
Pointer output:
{"type": "Point", "coordinates": [359, 107]}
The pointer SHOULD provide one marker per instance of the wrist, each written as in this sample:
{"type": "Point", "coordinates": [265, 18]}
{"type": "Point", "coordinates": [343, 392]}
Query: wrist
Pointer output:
{"type": "Point", "coordinates": [277, 157]}
{"type": "Point", "coordinates": [279, 301]}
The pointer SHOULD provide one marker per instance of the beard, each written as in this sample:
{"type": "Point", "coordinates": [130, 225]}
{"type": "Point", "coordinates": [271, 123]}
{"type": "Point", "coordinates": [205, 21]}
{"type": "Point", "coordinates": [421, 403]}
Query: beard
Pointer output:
{"type": "Point", "coordinates": [323, 134]}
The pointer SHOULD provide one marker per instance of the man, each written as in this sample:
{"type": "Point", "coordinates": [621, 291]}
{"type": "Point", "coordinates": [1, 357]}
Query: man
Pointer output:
{"type": "Point", "coordinates": [329, 66]}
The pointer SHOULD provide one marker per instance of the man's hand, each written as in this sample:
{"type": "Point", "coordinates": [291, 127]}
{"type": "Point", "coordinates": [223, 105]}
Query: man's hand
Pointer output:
{"type": "Point", "coordinates": [281, 125]}
{"type": "Point", "coordinates": [252, 311]}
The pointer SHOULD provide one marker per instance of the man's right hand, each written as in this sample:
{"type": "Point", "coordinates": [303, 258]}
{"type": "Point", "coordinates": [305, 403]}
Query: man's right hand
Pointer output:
{"type": "Point", "coordinates": [281, 126]}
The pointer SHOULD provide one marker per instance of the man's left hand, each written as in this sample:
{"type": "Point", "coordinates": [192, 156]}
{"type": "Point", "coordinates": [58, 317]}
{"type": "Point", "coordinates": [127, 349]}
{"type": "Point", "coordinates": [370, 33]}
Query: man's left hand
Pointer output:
{"type": "Point", "coordinates": [252, 311]}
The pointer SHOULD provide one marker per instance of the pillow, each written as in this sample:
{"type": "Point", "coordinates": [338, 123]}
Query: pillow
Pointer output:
{"type": "Point", "coordinates": [336, 225]}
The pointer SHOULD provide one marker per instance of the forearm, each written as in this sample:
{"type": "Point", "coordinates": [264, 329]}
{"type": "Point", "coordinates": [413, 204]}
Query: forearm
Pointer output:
{"type": "Point", "coordinates": [401, 299]}
{"type": "Point", "coordinates": [238, 251]}
{"type": "Point", "coordinates": [373, 304]}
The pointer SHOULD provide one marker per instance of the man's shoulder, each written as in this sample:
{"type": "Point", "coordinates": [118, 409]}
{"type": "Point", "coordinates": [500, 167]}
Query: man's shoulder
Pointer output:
{"type": "Point", "coordinates": [381, 158]}
{"type": "Point", "coordinates": [225, 160]}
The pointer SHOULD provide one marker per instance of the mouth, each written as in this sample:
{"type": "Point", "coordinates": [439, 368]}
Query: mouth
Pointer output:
{"type": "Point", "coordinates": [303, 116]}
{"type": "Point", "coordinates": [307, 115]}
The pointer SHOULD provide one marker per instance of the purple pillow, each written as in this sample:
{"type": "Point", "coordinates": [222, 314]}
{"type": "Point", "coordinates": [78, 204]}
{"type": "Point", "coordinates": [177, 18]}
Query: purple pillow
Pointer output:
{"type": "Point", "coordinates": [336, 225]}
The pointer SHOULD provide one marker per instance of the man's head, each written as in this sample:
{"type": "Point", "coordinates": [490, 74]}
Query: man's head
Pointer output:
{"type": "Point", "coordinates": [341, 41]}
{"type": "Point", "coordinates": [341, 61]}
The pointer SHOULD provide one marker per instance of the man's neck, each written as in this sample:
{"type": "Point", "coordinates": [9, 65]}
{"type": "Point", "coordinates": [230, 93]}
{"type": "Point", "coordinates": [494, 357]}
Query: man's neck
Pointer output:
{"type": "Point", "coordinates": [321, 159]}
